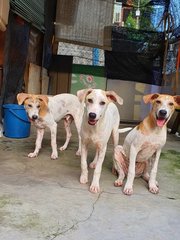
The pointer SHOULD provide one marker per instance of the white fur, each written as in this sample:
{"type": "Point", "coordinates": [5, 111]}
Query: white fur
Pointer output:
{"type": "Point", "coordinates": [140, 153]}
{"type": "Point", "coordinates": [62, 106]}
{"type": "Point", "coordinates": [106, 122]}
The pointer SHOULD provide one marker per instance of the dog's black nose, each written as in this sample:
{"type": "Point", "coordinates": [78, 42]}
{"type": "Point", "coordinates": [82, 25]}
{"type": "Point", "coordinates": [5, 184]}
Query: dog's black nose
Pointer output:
{"type": "Point", "coordinates": [92, 115]}
{"type": "Point", "coordinates": [34, 117]}
{"type": "Point", "coordinates": [162, 112]}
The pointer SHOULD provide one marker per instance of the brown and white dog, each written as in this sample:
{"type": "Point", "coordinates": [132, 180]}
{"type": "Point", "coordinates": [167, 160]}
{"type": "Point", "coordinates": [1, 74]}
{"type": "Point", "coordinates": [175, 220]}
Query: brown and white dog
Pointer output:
{"type": "Point", "coordinates": [142, 146]}
{"type": "Point", "coordinates": [101, 119]}
{"type": "Point", "coordinates": [45, 111]}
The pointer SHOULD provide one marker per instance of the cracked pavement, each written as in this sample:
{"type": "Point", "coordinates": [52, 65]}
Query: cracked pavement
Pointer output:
{"type": "Point", "coordinates": [42, 199]}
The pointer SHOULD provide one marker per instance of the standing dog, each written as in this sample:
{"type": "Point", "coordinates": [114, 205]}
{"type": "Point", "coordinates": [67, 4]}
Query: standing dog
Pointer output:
{"type": "Point", "coordinates": [100, 119]}
{"type": "Point", "coordinates": [45, 111]}
{"type": "Point", "coordinates": [142, 146]}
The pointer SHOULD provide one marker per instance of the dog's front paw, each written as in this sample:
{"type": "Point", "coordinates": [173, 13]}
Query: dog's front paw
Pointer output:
{"type": "Point", "coordinates": [54, 155]}
{"type": "Point", "coordinates": [118, 183]}
{"type": "Point", "coordinates": [62, 148]}
{"type": "Point", "coordinates": [94, 188]}
{"type": "Point", "coordinates": [32, 155]}
{"type": "Point", "coordinates": [128, 190]}
{"type": "Point", "coordinates": [153, 188]}
{"type": "Point", "coordinates": [83, 178]}
{"type": "Point", "coordinates": [78, 153]}
{"type": "Point", "coordinates": [92, 165]}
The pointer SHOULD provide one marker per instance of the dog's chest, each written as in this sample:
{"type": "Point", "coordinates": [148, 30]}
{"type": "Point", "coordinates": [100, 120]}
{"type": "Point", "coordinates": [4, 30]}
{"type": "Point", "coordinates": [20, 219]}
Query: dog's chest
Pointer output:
{"type": "Point", "coordinates": [147, 151]}
{"type": "Point", "coordinates": [145, 145]}
{"type": "Point", "coordinates": [92, 134]}
{"type": "Point", "coordinates": [149, 146]}
{"type": "Point", "coordinates": [39, 124]}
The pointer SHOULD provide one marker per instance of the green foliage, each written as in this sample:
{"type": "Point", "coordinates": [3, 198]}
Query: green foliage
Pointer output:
{"type": "Point", "coordinates": [145, 16]}
{"type": "Point", "coordinates": [131, 21]}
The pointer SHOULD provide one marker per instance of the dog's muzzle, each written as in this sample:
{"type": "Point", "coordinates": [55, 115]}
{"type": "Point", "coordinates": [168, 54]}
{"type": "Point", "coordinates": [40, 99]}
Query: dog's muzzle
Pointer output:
{"type": "Point", "coordinates": [161, 117]}
{"type": "Point", "coordinates": [34, 117]}
{"type": "Point", "coordinates": [92, 118]}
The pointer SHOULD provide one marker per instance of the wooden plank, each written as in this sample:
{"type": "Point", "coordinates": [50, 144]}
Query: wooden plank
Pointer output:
{"type": "Point", "coordinates": [34, 79]}
{"type": "Point", "coordinates": [44, 81]}
{"type": "Point", "coordinates": [62, 83]}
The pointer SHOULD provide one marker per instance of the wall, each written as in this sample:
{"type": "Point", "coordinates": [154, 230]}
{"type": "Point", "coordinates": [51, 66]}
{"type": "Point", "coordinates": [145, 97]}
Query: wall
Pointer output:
{"type": "Point", "coordinates": [133, 108]}
{"type": "Point", "coordinates": [84, 76]}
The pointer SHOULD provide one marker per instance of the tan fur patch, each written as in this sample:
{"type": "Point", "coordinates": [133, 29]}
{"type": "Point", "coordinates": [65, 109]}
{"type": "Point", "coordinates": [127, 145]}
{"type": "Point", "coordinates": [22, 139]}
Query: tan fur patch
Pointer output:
{"type": "Point", "coordinates": [41, 100]}
{"type": "Point", "coordinates": [43, 109]}
{"type": "Point", "coordinates": [147, 125]}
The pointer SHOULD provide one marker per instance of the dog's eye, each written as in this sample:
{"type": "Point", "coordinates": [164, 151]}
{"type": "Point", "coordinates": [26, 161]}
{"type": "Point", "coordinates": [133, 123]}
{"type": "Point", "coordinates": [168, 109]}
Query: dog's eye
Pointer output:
{"type": "Point", "coordinates": [90, 100]}
{"type": "Point", "coordinates": [29, 105]}
{"type": "Point", "coordinates": [171, 104]}
{"type": "Point", "coordinates": [38, 106]}
{"type": "Point", "coordinates": [102, 103]}
{"type": "Point", "coordinates": [158, 101]}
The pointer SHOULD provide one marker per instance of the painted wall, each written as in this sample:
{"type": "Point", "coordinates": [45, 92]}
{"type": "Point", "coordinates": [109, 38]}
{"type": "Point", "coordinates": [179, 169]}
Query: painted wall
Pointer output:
{"type": "Point", "coordinates": [84, 76]}
{"type": "Point", "coordinates": [133, 108]}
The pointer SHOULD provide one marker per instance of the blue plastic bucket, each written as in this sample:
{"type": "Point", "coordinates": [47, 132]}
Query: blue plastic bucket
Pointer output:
{"type": "Point", "coordinates": [16, 123]}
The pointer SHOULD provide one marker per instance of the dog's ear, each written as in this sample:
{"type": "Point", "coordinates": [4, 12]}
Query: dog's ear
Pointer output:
{"type": "Point", "coordinates": [44, 99]}
{"type": "Point", "coordinates": [21, 97]}
{"type": "Point", "coordinates": [177, 101]}
{"type": "Point", "coordinates": [112, 96]}
{"type": "Point", "coordinates": [81, 94]}
{"type": "Point", "coordinates": [150, 97]}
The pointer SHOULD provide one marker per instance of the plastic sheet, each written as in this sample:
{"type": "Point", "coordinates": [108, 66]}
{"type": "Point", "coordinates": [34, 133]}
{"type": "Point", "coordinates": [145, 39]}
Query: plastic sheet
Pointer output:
{"type": "Point", "coordinates": [136, 55]}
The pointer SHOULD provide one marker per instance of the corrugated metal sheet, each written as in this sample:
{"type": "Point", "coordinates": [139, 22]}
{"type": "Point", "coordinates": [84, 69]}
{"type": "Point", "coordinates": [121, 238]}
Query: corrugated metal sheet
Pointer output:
{"type": "Point", "coordinates": [30, 10]}
{"type": "Point", "coordinates": [83, 21]}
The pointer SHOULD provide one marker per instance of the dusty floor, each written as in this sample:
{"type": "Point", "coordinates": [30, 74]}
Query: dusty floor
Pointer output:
{"type": "Point", "coordinates": [43, 199]}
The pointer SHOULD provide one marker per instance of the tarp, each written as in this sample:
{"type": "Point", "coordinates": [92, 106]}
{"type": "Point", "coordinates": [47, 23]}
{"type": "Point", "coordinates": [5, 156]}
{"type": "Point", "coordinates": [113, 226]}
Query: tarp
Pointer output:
{"type": "Point", "coordinates": [136, 55]}
{"type": "Point", "coordinates": [49, 18]}
{"type": "Point", "coordinates": [16, 47]}
{"type": "Point", "coordinates": [156, 11]}
{"type": "Point", "coordinates": [83, 21]}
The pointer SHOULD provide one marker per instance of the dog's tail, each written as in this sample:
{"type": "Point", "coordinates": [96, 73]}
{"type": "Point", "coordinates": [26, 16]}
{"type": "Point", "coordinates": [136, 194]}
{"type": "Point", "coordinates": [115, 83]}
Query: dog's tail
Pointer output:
{"type": "Point", "coordinates": [122, 130]}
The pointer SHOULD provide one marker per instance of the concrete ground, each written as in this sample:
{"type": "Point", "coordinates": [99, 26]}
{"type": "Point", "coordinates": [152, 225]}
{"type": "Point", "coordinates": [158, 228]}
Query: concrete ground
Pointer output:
{"type": "Point", "coordinates": [42, 199]}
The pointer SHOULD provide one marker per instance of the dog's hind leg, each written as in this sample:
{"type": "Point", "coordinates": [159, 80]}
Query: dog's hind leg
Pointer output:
{"type": "Point", "coordinates": [115, 134]}
{"type": "Point", "coordinates": [67, 122]}
{"type": "Point", "coordinates": [120, 165]}
{"type": "Point", "coordinates": [78, 121]}
{"type": "Point", "coordinates": [53, 130]}
{"type": "Point", "coordinates": [145, 174]}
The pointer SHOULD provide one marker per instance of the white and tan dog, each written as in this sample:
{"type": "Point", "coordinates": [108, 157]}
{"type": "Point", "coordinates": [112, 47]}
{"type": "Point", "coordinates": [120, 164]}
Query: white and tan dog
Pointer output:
{"type": "Point", "coordinates": [46, 111]}
{"type": "Point", "coordinates": [142, 146]}
{"type": "Point", "coordinates": [101, 119]}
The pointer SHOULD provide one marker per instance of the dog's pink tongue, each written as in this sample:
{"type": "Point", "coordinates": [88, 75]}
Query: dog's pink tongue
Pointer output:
{"type": "Point", "coordinates": [160, 122]}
